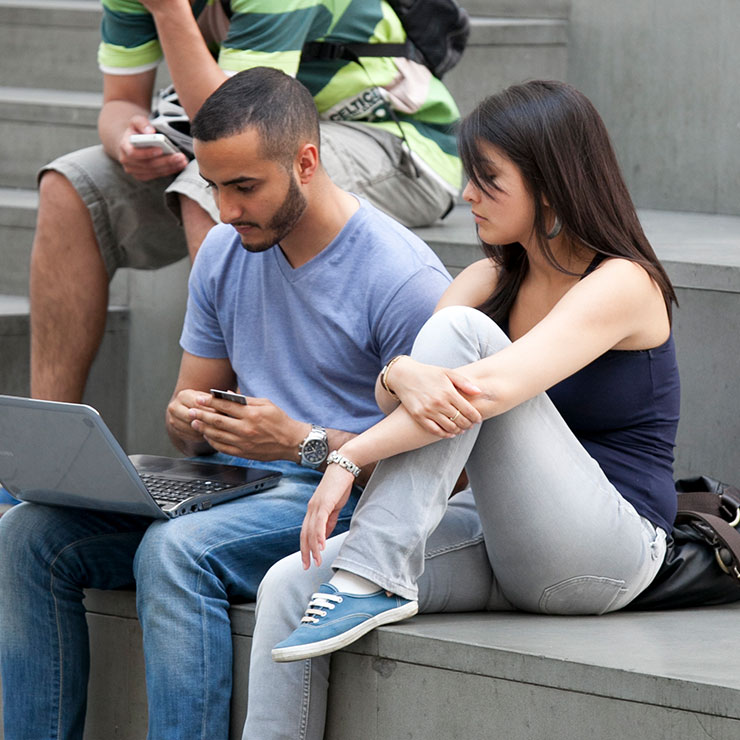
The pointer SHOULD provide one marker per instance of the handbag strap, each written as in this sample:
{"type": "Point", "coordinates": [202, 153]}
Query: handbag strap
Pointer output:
{"type": "Point", "coordinates": [725, 503]}
{"type": "Point", "coordinates": [720, 513]}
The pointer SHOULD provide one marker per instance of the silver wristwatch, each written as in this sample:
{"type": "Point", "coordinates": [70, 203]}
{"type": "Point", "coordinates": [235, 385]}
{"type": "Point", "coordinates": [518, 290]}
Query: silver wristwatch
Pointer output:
{"type": "Point", "coordinates": [315, 448]}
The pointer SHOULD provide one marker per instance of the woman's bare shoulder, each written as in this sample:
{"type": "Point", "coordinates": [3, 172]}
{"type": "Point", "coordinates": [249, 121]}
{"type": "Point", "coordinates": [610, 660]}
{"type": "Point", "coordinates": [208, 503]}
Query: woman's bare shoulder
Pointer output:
{"type": "Point", "coordinates": [472, 286]}
{"type": "Point", "coordinates": [622, 290]}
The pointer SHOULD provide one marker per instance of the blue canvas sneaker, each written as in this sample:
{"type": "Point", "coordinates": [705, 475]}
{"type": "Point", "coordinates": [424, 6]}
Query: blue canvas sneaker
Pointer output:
{"type": "Point", "coordinates": [333, 620]}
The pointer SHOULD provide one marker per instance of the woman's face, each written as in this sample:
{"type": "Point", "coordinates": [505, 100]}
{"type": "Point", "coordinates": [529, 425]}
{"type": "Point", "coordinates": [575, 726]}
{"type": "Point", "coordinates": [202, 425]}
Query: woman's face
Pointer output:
{"type": "Point", "coordinates": [504, 213]}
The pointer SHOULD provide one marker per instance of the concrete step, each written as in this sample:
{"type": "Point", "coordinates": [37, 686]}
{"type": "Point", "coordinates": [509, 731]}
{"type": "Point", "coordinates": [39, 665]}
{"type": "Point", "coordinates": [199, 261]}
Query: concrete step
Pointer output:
{"type": "Point", "coordinates": [518, 8]}
{"type": "Point", "coordinates": [17, 223]}
{"type": "Point", "coordinates": [701, 253]}
{"type": "Point", "coordinates": [37, 125]}
{"type": "Point", "coordinates": [106, 390]}
{"type": "Point", "coordinates": [50, 43]}
{"type": "Point", "coordinates": [700, 250]}
{"type": "Point", "coordinates": [623, 676]}
{"type": "Point", "coordinates": [503, 51]}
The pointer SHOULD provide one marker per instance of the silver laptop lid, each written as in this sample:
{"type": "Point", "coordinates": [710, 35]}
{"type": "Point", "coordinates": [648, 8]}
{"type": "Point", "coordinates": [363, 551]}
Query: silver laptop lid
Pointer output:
{"type": "Point", "coordinates": [62, 453]}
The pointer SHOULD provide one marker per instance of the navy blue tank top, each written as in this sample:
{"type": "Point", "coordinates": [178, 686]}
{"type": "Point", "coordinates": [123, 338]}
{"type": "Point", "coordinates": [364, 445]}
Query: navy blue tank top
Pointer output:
{"type": "Point", "coordinates": [624, 407]}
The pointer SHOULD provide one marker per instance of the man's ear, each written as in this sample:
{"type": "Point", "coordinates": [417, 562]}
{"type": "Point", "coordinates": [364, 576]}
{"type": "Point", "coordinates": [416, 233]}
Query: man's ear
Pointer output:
{"type": "Point", "coordinates": [307, 162]}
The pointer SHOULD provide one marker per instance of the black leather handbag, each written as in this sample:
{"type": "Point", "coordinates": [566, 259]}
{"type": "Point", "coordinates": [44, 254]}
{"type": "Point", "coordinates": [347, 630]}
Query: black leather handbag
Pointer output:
{"type": "Point", "coordinates": [702, 562]}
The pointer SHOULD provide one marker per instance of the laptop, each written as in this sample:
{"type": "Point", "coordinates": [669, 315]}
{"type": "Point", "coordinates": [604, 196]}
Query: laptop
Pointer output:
{"type": "Point", "coordinates": [63, 454]}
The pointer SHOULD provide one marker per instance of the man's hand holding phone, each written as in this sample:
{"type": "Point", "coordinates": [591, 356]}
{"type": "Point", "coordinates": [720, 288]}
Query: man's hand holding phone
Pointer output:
{"type": "Point", "coordinates": [147, 155]}
{"type": "Point", "coordinates": [253, 428]}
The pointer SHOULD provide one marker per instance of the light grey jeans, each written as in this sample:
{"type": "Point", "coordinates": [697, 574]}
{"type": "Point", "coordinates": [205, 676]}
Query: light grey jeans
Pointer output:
{"type": "Point", "coordinates": [541, 529]}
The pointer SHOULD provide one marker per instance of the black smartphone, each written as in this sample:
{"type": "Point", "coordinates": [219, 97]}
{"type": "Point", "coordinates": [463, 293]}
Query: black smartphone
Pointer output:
{"type": "Point", "coordinates": [229, 396]}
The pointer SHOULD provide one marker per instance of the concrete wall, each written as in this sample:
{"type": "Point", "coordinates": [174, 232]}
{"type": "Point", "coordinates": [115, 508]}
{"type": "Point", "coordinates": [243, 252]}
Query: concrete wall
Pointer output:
{"type": "Point", "coordinates": [707, 332]}
{"type": "Point", "coordinates": [663, 74]}
{"type": "Point", "coordinates": [156, 301]}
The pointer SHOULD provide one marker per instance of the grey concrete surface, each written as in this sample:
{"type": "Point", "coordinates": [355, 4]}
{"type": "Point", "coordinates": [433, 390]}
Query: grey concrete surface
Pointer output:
{"type": "Point", "coordinates": [434, 704]}
{"type": "Point", "coordinates": [17, 223]}
{"type": "Point", "coordinates": [505, 51]}
{"type": "Point", "coordinates": [658, 73]}
{"type": "Point", "coordinates": [518, 8]}
{"type": "Point", "coordinates": [707, 332]}
{"type": "Point", "coordinates": [52, 44]}
{"type": "Point", "coordinates": [527, 677]}
{"type": "Point", "coordinates": [157, 301]}
{"type": "Point", "coordinates": [106, 390]}
{"type": "Point", "coordinates": [701, 250]}
{"type": "Point", "coordinates": [60, 37]}
{"type": "Point", "coordinates": [38, 125]}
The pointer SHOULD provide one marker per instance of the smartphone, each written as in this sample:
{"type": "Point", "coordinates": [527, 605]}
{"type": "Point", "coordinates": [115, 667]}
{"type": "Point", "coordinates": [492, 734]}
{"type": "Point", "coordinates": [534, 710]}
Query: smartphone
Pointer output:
{"type": "Point", "coordinates": [142, 141]}
{"type": "Point", "coordinates": [229, 396]}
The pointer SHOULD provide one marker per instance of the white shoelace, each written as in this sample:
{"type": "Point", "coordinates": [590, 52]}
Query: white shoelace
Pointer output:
{"type": "Point", "coordinates": [318, 605]}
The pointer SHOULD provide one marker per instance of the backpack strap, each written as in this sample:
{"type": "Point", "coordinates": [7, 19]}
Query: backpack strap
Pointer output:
{"type": "Point", "coordinates": [322, 51]}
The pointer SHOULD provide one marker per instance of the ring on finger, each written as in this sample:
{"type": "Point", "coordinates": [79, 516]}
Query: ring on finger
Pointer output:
{"type": "Point", "coordinates": [452, 418]}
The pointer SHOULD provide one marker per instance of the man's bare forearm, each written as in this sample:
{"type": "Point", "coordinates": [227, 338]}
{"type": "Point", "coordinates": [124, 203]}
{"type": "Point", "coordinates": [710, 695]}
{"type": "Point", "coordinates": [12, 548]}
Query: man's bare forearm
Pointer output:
{"type": "Point", "coordinates": [195, 73]}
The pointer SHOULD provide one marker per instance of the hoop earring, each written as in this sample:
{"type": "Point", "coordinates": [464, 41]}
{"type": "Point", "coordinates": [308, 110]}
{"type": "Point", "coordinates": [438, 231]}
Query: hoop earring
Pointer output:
{"type": "Point", "coordinates": [556, 228]}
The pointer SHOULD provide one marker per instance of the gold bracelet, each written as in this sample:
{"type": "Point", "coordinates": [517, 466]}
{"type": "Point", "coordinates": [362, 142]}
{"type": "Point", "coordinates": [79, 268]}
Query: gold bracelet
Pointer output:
{"type": "Point", "coordinates": [384, 374]}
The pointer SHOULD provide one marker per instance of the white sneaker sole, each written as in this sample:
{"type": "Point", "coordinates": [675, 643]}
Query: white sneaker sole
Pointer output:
{"type": "Point", "coordinates": [314, 649]}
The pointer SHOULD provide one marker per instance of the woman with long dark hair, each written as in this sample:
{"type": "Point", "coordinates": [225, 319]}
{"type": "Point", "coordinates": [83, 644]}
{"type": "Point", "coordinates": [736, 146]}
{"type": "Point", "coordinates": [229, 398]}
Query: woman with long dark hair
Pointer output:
{"type": "Point", "coordinates": [547, 373]}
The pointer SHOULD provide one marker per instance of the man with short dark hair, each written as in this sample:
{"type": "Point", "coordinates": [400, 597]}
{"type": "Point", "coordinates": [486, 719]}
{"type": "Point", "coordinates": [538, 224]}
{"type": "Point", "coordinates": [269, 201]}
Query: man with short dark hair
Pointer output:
{"type": "Point", "coordinates": [296, 300]}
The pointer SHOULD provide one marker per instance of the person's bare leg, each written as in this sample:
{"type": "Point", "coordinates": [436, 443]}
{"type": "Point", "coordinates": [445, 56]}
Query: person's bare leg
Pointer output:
{"type": "Point", "coordinates": [196, 222]}
{"type": "Point", "coordinates": [69, 293]}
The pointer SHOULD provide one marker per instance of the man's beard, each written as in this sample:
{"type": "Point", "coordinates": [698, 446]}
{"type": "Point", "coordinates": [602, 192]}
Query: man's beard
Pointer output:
{"type": "Point", "coordinates": [282, 221]}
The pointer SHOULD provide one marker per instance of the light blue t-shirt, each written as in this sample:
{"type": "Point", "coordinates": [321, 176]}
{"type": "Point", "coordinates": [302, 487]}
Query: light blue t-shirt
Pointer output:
{"type": "Point", "coordinates": [313, 339]}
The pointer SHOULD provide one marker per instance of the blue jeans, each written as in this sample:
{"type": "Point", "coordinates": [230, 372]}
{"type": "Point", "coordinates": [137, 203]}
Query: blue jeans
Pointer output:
{"type": "Point", "coordinates": [540, 529]}
{"type": "Point", "coordinates": [186, 571]}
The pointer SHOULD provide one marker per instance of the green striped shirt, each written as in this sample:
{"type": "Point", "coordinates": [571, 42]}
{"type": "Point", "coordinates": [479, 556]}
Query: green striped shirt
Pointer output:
{"type": "Point", "coordinates": [259, 35]}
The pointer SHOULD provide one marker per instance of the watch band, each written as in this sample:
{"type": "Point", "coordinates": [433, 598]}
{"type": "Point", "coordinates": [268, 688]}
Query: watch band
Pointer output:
{"type": "Point", "coordinates": [344, 462]}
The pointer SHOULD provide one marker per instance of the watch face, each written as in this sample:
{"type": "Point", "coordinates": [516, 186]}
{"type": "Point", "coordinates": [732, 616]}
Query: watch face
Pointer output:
{"type": "Point", "coordinates": [314, 451]}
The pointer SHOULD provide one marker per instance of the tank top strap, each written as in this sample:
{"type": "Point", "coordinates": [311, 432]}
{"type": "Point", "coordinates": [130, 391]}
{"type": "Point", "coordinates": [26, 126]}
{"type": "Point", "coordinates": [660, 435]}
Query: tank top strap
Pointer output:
{"type": "Point", "coordinates": [595, 262]}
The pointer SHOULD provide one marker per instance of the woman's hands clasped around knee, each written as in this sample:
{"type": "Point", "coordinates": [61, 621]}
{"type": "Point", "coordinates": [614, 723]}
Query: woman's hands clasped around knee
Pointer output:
{"type": "Point", "coordinates": [435, 397]}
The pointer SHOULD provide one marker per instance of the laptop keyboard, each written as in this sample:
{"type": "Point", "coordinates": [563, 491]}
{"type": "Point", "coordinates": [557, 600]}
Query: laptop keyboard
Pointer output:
{"type": "Point", "coordinates": [172, 490]}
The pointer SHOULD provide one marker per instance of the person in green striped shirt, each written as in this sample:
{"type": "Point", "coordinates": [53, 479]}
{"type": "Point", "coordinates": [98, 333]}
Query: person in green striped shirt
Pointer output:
{"type": "Point", "coordinates": [387, 134]}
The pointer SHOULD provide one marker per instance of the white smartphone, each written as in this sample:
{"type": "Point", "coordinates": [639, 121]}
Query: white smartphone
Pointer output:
{"type": "Point", "coordinates": [142, 141]}
{"type": "Point", "coordinates": [229, 396]}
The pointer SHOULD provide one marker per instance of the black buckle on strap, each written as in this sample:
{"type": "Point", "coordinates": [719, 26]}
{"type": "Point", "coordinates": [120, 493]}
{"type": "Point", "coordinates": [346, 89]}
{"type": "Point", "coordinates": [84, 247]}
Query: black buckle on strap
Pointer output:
{"type": "Point", "coordinates": [323, 51]}
{"type": "Point", "coordinates": [328, 51]}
